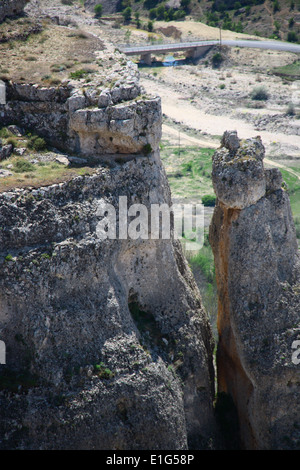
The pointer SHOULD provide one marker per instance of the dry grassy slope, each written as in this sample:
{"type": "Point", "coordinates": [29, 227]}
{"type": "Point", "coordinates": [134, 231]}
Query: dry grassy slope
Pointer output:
{"type": "Point", "coordinates": [48, 56]}
{"type": "Point", "coordinates": [262, 18]}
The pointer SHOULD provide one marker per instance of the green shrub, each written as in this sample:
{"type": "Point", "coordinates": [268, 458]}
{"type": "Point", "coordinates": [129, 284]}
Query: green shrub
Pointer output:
{"type": "Point", "coordinates": [209, 200]}
{"type": "Point", "coordinates": [12, 141]}
{"type": "Point", "coordinates": [292, 36]}
{"type": "Point", "coordinates": [4, 133]}
{"type": "Point", "coordinates": [147, 149]}
{"type": "Point", "coordinates": [217, 59]}
{"type": "Point", "coordinates": [150, 26]}
{"type": "Point", "coordinates": [127, 14]}
{"type": "Point", "coordinates": [22, 166]}
{"type": "Point", "coordinates": [98, 10]}
{"type": "Point", "coordinates": [259, 94]}
{"type": "Point", "coordinates": [36, 143]}
{"type": "Point", "coordinates": [79, 74]}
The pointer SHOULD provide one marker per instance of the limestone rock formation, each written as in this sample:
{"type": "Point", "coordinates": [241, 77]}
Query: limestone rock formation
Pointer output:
{"type": "Point", "coordinates": [257, 264]}
{"type": "Point", "coordinates": [108, 346]}
{"type": "Point", "coordinates": [98, 119]}
{"type": "Point", "coordinates": [10, 8]}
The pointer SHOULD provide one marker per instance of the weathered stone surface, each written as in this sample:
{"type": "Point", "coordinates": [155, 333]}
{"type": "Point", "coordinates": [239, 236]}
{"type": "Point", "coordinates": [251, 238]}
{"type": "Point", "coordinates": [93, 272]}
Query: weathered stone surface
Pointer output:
{"type": "Point", "coordinates": [258, 276]}
{"type": "Point", "coordinates": [238, 172]}
{"type": "Point", "coordinates": [97, 122]}
{"type": "Point", "coordinates": [5, 173]}
{"type": "Point", "coordinates": [70, 301]}
{"type": "Point", "coordinates": [5, 151]}
{"type": "Point", "coordinates": [11, 8]}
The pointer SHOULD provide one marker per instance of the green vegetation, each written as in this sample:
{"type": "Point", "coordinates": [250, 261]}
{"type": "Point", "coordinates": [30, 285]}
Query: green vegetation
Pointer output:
{"type": "Point", "coordinates": [102, 371]}
{"type": "Point", "coordinates": [78, 74]}
{"type": "Point", "coordinates": [292, 36]}
{"type": "Point", "coordinates": [188, 170]}
{"type": "Point", "coordinates": [293, 188]}
{"type": "Point", "coordinates": [202, 265]}
{"type": "Point", "coordinates": [259, 94]}
{"type": "Point", "coordinates": [98, 10]}
{"type": "Point", "coordinates": [26, 174]}
{"type": "Point", "coordinates": [36, 143]}
{"type": "Point", "coordinates": [147, 149]}
{"type": "Point", "coordinates": [289, 72]}
{"type": "Point", "coordinates": [209, 200]}
{"type": "Point", "coordinates": [217, 59]}
{"type": "Point", "coordinates": [23, 166]}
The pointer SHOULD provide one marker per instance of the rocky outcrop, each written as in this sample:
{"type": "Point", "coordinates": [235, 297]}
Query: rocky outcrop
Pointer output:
{"type": "Point", "coordinates": [258, 275]}
{"type": "Point", "coordinates": [109, 6]}
{"type": "Point", "coordinates": [94, 118]}
{"type": "Point", "coordinates": [10, 8]}
{"type": "Point", "coordinates": [107, 343]}
{"type": "Point", "coordinates": [108, 346]}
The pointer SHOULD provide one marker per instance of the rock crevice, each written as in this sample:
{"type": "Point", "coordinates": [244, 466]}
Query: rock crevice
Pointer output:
{"type": "Point", "coordinates": [253, 238]}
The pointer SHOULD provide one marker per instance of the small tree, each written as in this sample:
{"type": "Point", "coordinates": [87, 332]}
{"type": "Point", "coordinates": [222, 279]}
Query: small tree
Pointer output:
{"type": "Point", "coordinates": [292, 36]}
{"type": "Point", "coordinates": [98, 10]}
{"type": "Point", "coordinates": [127, 14]}
{"type": "Point", "coordinates": [137, 19]}
{"type": "Point", "coordinates": [150, 26]}
{"type": "Point", "coordinates": [276, 6]}
{"type": "Point", "coordinates": [217, 59]}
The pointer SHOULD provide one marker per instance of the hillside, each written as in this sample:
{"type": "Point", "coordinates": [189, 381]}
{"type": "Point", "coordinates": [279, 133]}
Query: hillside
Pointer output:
{"type": "Point", "coordinates": [277, 19]}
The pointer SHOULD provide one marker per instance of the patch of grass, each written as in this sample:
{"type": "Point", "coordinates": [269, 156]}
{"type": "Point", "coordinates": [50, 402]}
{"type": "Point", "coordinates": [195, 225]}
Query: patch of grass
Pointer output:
{"type": "Point", "coordinates": [5, 133]}
{"type": "Point", "coordinates": [22, 165]}
{"type": "Point", "coordinates": [289, 72]}
{"type": "Point", "coordinates": [78, 74]}
{"type": "Point", "coordinates": [26, 174]}
{"type": "Point", "coordinates": [188, 170]}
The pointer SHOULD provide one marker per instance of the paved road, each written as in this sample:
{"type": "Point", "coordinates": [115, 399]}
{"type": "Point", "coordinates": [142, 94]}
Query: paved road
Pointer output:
{"type": "Point", "coordinates": [274, 45]}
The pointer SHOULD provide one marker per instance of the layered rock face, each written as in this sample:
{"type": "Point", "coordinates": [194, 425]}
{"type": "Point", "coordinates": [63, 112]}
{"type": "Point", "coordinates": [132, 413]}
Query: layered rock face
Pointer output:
{"type": "Point", "coordinates": [258, 274]}
{"type": "Point", "coordinates": [11, 8]}
{"type": "Point", "coordinates": [111, 116]}
{"type": "Point", "coordinates": [107, 344]}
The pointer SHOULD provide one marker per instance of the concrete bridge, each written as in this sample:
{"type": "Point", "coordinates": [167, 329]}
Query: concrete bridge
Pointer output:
{"type": "Point", "coordinates": [197, 49]}
{"type": "Point", "coordinates": [193, 50]}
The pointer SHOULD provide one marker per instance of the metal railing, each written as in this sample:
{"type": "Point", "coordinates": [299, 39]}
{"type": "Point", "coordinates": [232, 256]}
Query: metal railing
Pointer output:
{"type": "Point", "coordinates": [137, 49]}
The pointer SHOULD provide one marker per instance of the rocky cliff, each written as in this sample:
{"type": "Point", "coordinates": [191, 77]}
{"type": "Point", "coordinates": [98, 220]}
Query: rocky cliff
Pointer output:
{"type": "Point", "coordinates": [108, 346]}
{"type": "Point", "coordinates": [258, 274]}
{"type": "Point", "coordinates": [95, 117]}
{"type": "Point", "coordinates": [10, 8]}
